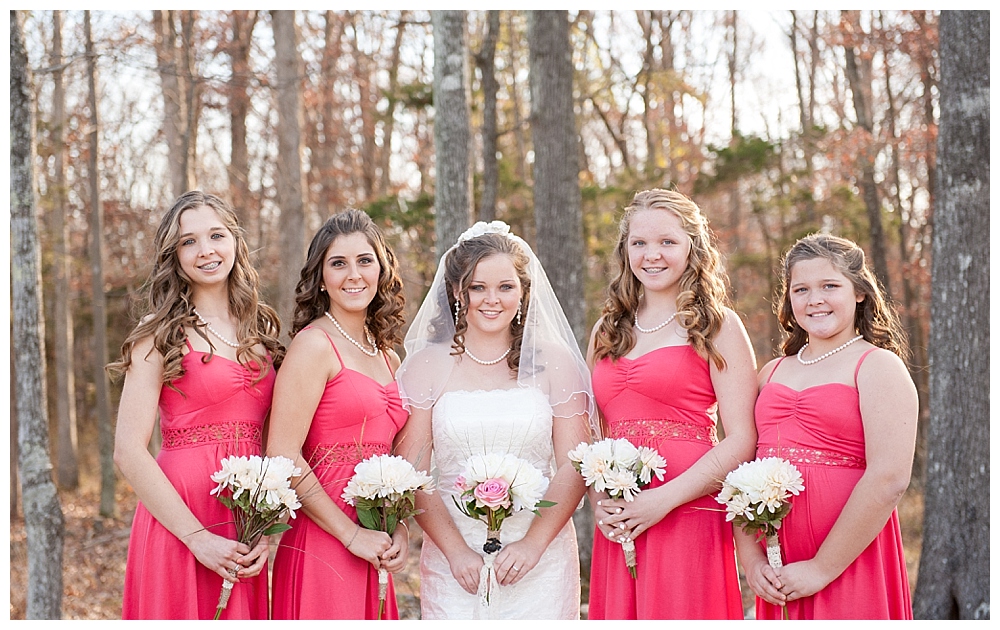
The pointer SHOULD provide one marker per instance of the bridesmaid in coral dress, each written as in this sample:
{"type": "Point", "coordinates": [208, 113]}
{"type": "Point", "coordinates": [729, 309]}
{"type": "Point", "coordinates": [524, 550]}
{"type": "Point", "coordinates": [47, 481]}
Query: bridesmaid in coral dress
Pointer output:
{"type": "Point", "coordinates": [664, 387]}
{"type": "Point", "coordinates": [213, 399]}
{"type": "Point", "coordinates": [844, 411]}
{"type": "Point", "coordinates": [336, 403]}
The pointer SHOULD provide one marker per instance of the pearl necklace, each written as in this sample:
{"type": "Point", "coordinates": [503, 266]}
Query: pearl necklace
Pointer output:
{"type": "Point", "coordinates": [368, 335]}
{"type": "Point", "coordinates": [494, 361]}
{"type": "Point", "coordinates": [823, 356]}
{"type": "Point", "coordinates": [654, 328]}
{"type": "Point", "coordinates": [214, 331]}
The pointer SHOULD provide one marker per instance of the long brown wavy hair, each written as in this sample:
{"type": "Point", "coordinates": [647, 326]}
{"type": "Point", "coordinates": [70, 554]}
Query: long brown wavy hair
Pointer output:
{"type": "Point", "coordinates": [385, 317]}
{"type": "Point", "coordinates": [460, 265]}
{"type": "Point", "coordinates": [874, 316]}
{"type": "Point", "coordinates": [166, 309]}
{"type": "Point", "coordinates": [702, 299]}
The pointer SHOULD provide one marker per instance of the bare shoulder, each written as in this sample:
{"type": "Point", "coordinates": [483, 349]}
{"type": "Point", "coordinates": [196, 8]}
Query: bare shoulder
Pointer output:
{"type": "Point", "coordinates": [309, 344]}
{"type": "Point", "coordinates": [767, 370]}
{"type": "Point", "coordinates": [733, 340]}
{"type": "Point", "coordinates": [883, 370]}
{"type": "Point", "coordinates": [393, 359]}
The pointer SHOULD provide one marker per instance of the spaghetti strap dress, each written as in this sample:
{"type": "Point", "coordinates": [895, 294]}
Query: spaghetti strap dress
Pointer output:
{"type": "Point", "coordinates": [686, 563]}
{"type": "Point", "coordinates": [216, 410]}
{"type": "Point", "coordinates": [819, 430]}
{"type": "Point", "coordinates": [315, 576]}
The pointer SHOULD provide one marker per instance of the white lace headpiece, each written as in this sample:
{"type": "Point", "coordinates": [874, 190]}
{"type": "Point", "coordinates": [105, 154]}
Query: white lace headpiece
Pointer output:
{"type": "Point", "coordinates": [550, 357]}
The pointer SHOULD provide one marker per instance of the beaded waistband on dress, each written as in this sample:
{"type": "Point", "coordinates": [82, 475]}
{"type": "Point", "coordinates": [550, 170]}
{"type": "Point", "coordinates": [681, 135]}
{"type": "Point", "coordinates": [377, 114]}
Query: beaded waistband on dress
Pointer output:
{"type": "Point", "coordinates": [648, 431]}
{"type": "Point", "coordinates": [345, 453]}
{"type": "Point", "coordinates": [213, 433]}
{"type": "Point", "coordinates": [818, 457]}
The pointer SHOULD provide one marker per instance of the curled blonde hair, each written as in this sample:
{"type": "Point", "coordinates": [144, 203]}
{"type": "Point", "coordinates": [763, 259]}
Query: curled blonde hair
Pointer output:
{"type": "Point", "coordinates": [165, 299]}
{"type": "Point", "coordinates": [702, 299]}
{"type": "Point", "coordinates": [874, 318]}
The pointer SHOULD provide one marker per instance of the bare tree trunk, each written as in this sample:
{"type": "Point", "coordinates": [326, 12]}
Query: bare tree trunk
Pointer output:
{"type": "Point", "coordinates": [105, 434]}
{"type": "Point", "coordinates": [954, 576]}
{"type": "Point", "coordinates": [515, 96]}
{"type": "Point", "coordinates": [289, 169]}
{"type": "Point", "coordinates": [174, 101]}
{"type": "Point", "coordinates": [242, 25]}
{"type": "Point", "coordinates": [558, 205]}
{"type": "Point", "coordinates": [330, 194]}
{"type": "Point", "coordinates": [192, 98]}
{"type": "Point", "coordinates": [733, 33]}
{"type": "Point", "coordinates": [15, 485]}
{"type": "Point", "coordinates": [68, 473]}
{"type": "Point", "coordinates": [912, 309]}
{"type": "Point", "coordinates": [486, 62]}
{"type": "Point", "coordinates": [452, 128]}
{"type": "Point", "coordinates": [43, 516]}
{"type": "Point", "coordinates": [364, 78]}
{"type": "Point", "coordinates": [389, 118]}
{"type": "Point", "coordinates": [859, 79]}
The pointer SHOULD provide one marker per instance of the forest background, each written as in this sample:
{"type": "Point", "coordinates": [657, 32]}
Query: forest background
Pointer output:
{"type": "Point", "coordinates": [778, 124]}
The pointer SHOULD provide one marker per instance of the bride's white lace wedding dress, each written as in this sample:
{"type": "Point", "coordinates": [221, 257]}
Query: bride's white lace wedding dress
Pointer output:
{"type": "Point", "coordinates": [517, 421]}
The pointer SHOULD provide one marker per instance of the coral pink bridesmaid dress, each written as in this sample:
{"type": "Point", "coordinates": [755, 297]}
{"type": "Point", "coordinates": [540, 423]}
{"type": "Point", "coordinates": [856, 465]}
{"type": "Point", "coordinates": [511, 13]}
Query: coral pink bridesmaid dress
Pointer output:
{"type": "Point", "coordinates": [219, 411]}
{"type": "Point", "coordinates": [686, 569]}
{"type": "Point", "coordinates": [315, 576]}
{"type": "Point", "coordinates": [819, 429]}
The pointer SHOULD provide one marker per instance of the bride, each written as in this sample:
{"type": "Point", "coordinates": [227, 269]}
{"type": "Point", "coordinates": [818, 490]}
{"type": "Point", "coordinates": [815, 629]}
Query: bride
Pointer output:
{"type": "Point", "coordinates": [492, 366]}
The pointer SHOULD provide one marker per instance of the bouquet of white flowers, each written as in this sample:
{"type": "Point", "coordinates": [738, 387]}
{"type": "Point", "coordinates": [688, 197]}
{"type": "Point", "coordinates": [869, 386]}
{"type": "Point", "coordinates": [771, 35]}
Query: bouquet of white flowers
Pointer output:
{"type": "Point", "coordinates": [259, 495]}
{"type": "Point", "coordinates": [619, 468]}
{"type": "Point", "coordinates": [492, 487]}
{"type": "Point", "coordinates": [756, 498]}
{"type": "Point", "coordinates": [383, 491]}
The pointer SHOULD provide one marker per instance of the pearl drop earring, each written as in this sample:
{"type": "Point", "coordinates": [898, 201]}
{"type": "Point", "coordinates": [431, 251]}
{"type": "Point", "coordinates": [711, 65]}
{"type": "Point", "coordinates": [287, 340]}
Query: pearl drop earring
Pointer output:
{"type": "Point", "coordinates": [457, 306]}
{"type": "Point", "coordinates": [519, 312]}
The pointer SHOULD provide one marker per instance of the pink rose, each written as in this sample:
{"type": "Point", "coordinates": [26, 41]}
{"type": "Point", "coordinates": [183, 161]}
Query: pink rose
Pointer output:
{"type": "Point", "coordinates": [460, 483]}
{"type": "Point", "coordinates": [493, 494]}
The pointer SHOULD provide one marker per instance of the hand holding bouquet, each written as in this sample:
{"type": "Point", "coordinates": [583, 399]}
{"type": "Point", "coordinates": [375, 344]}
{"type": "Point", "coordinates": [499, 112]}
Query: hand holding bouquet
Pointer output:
{"type": "Point", "coordinates": [756, 498]}
{"type": "Point", "coordinates": [493, 487]}
{"type": "Point", "coordinates": [258, 492]}
{"type": "Point", "coordinates": [383, 491]}
{"type": "Point", "coordinates": [620, 469]}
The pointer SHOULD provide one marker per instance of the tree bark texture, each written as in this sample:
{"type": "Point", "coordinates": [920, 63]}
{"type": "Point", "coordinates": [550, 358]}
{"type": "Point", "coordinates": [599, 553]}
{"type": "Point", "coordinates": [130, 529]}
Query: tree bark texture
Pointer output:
{"type": "Point", "coordinates": [954, 576]}
{"type": "Point", "coordinates": [558, 213]}
{"type": "Point", "coordinates": [175, 86]}
{"type": "Point", "coordinates": [859, 79]}
{"type": "Point", "coordinates": [105, 434]}
{"type": "Point", "coordinates": [486, 62]}
{"type": "Point", "coordinates": [289, 167]}
{"type": "Point", "coordinates": [43, 515]}
{"type": "Point", "coordinates": [239, 106]}
{"type": "Point", "coordinates": [67, 468]}
{"type": "Point", "coordinates": [452, 129]}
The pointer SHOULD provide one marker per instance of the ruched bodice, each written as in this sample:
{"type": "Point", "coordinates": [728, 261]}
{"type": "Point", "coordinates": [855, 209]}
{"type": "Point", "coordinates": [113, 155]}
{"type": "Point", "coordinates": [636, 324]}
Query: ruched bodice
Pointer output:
{"type": "Point", "coordinates": [357, 417]}
{"type": "Point", "coordinates": [680, 401]}
{"type": "Point", "coordinates": [686, 569]}
{"type": "Point", "coordinates": [517, 421]}
{"type": "Point", "coordinates": [820, 430]}
{"type": "Point", "coordinates": [823, 419]}
{"type": "Point", "coordinates": [315, 576]}
{"type": "Point", "coordinates": [216, 410]}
